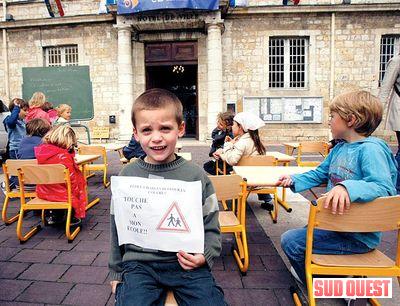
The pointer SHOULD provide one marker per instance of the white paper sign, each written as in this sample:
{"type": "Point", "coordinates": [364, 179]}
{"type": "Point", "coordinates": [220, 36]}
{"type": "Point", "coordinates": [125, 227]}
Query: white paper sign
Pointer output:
{"type": "Point", "coordinates": [158, 214]}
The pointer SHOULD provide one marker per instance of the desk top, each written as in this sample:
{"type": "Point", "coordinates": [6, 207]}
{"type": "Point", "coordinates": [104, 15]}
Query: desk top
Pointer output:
{"type": "Point", "coordinates": [109, 146]}
{"type": "Point", "coordinates": [266, 175]}
{"type": "Point", "coordinates": [185, 155]}
{"type": "Point", "coordinates": [84, 159]}
{"type": "Point", "coordinates": [293, 145]}
{"type": "Point", "coordinates": [281, 157]}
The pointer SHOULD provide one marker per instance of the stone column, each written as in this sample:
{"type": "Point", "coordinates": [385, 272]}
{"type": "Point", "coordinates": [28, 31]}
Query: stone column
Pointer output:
{"type": "Point", "coordinates": [125, 81]}
{"type": "Point", "coordinates": [214, 65]}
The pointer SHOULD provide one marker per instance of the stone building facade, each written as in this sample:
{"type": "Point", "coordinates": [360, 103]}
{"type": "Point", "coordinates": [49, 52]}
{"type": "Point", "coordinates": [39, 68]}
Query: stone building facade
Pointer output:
{"type": "Point", "coordinates": [227, 55]}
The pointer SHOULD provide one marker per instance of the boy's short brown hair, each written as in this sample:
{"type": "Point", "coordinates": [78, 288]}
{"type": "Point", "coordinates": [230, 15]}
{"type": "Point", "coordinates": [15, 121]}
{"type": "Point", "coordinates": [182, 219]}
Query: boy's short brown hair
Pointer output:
{"type": "Point", "coordinates": [157, 98]}
{"type": "Point", "coordinates": [366, 108]}
{"type": "Point", "coordinates": [62, 136]}
{"type": "Point", "coordinates": [20, 102]}
{"type": "Point", "coordinates": [227, 118]}
{"type": "Point", "coordinates": [37, 127]}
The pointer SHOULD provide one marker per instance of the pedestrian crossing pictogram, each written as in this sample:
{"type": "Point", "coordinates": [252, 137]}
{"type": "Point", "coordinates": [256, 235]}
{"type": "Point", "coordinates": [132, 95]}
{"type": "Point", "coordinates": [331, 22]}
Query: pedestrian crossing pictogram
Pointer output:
{"type": "Point", "coordinates": [173, 220]}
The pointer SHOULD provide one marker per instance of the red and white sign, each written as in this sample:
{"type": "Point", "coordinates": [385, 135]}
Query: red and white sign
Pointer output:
{"type": "Point", "coordinates": [352, 288]}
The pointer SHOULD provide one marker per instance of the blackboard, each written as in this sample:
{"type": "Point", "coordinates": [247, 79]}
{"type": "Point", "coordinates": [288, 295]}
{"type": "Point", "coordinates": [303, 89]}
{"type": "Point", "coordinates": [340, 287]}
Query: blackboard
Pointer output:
{"type": "Point", "coordinates": [62, 85]}
{"type": "Point", "coordinates": [285, 109]}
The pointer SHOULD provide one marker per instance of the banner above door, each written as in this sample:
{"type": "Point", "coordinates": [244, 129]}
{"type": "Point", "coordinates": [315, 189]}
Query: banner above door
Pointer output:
{"type": "Point", "coordinates": [136, 6]}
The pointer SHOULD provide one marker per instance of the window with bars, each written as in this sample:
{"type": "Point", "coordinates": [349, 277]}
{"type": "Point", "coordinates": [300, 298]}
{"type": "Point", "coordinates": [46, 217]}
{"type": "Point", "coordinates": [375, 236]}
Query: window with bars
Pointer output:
{"type": "Point", "coordinates": [390, 46]}
{"type": "Point", "coordinates": [61, 56]}
{"type": "Point", "coordinates": [288, 62]}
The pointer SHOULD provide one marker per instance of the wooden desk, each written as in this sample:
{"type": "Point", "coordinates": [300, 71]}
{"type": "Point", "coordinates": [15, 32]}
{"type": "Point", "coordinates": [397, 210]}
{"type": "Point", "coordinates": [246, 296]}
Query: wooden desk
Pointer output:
{"type": "Point", "coordinates": [185, 155]}
{"type": "Point", "coordinates": [109, 146]}
{"type": "Point", "coordinates": [284, 159]}
{"type": "Point", "coordinates": [178, 146]}
{"type": "Point", "coordinates": [82, 160]}
{"type": "Point", "coordinates": [268, 176]}
{"type": "Point", "coordinates": [290, 147]}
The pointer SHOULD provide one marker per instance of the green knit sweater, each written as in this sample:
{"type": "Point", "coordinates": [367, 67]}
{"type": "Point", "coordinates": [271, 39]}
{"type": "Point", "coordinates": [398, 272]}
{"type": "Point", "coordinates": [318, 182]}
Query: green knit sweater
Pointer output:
{"type": "Point", "coordinates": [179, 169]}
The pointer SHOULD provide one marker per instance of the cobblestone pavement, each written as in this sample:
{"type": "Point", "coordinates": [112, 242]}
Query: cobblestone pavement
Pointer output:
{"type": "Point", "coordinates": [47, 270]}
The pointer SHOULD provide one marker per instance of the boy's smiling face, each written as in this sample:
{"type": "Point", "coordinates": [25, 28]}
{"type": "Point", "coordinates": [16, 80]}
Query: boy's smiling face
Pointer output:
{"type": "Point", "coordinates": [157, 132]}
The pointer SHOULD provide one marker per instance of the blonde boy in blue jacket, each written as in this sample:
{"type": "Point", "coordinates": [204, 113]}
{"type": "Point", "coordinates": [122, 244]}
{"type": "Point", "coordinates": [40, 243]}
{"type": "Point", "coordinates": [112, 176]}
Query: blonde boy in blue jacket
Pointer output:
{"type": "Point", "coordinates": [359, 169]}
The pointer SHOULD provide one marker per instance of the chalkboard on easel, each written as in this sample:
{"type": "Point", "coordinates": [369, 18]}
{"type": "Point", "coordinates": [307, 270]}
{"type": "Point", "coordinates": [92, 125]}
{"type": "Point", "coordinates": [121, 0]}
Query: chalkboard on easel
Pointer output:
{"type": "Point", "coordinates": [62, 85]}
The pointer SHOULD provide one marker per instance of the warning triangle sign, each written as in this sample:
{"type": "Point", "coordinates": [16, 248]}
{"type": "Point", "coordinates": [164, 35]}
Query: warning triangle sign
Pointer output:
{"type": "Point", "coordinates": [173, 220]}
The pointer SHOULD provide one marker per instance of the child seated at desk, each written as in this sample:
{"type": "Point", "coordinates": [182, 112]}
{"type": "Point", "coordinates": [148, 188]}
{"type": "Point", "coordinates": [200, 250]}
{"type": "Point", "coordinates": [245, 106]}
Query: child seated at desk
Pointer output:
{"type": "Point", "coordinates": [35, 130]}
{"type": "Point", "coordinates": [218, 135]}
{"type": "Point", "coordinates": [246, 142]}
{"type": "Point", "coordinates": [360, 168]}
{"type": "Point", "coordinates": [58, 148]}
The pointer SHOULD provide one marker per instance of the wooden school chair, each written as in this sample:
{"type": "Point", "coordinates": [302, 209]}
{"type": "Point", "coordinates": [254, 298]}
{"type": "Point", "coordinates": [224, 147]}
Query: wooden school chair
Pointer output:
{"type": "Point", "coordinates": [233, 187]}
{"type": "Point", "coordinates": [263, 160]}
{"type": "Point", "coordinates": [219, 171]}
{"type": "Point", "coordinates": [382, 214]}
{"type": "Point", "coordinates": [318, 147]}
{"type": "Point", "coordinates": [98, 150]}
{"type": "Point", "coordinates": [44, 174]}
{"type": "Point", "coordinates": [10, 169]}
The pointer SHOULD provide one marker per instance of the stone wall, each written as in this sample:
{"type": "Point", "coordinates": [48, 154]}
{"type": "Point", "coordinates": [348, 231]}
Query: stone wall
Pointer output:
{"type": "Point", "coordinates": [97, 47]}
{"type": "Point", "coordinates": [356, 60]}
{"type": "Point", "coordinates": [37, 9]}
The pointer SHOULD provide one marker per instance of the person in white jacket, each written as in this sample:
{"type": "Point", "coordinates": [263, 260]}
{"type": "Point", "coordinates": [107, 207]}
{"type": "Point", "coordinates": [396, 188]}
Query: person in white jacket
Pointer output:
{"type": "Point", "coordinates": [389, 95]}
{"type": "Point", "coordinates": [246, 142]}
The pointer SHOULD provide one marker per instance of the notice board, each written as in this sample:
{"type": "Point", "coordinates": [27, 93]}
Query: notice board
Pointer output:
{"type": "Point", "coordinates": [62, 85]}
{"type": "Point", "coordinates": [285, 109]}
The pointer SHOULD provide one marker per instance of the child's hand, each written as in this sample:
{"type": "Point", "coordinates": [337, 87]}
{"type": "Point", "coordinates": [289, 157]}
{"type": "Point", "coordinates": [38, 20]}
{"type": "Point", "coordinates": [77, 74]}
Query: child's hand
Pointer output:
{"type": "Point", "coordinates": [217, 154]}
{"type": "Point", "coordinates": [189, 261]}
{"type": "Point", "coordinates": [228, 139]}
{"type": "Point", "coordinates": [339, 198]}
{"type": "Point", "coordinates": [114, 285]}
{"type": "Point", "coordinates": [285, 181]}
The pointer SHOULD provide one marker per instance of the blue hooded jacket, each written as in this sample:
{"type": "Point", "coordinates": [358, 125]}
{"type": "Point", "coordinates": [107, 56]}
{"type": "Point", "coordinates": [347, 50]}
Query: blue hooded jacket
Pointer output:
{"type": "Point", "coordinates": [367, 168]}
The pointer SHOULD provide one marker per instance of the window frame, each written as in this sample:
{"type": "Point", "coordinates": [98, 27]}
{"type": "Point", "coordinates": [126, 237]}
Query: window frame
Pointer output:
{"type": "Point", "coordinates": [62, 54]}
{"type": "Point", "coordinates": [287, 49]}
{"type": "Point", "coordinates": [396, 50]}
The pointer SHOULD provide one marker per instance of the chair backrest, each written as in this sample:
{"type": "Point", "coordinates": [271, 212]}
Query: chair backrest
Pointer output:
{"type": "Point", "coordinates": [44, 174]}
{"type": "Point", "coordinates": [97, 150]}
{"type": "Point", "coordinates": [232, 187]}
{"type": "Point", "coordinates": [382, 214]}
{"type": "Point", "coordinates": [257, 160]}
{"type": "Point", "coordinates": [227, 187]}
{"type": "Point", "coordinates": [320, 147]}
{"type": "Point", "coordinates": [11, 165]}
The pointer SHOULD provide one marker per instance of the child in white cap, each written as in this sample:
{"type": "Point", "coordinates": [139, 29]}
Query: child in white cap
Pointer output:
{"type": "Point", "coordinates": [246, 142]}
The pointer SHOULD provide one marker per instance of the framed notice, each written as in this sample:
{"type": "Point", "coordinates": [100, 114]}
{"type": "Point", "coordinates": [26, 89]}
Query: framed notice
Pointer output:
{"type": "Point", "coordinates": [285, 109]}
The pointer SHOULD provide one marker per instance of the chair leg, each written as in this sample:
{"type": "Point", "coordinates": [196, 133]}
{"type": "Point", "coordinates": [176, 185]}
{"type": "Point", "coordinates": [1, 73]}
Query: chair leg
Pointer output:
{"type": "Point", "coordinates": [224, 206]}
{"type": "Point", "coordinates": [274, 213]}
{"type": "Point", "coordinates": [22, 238]}
{"type": "Point", "coordinates": [6, 220]}
{"type": "Point", "coordinates": [311, 300]}
{"type": "Point", "coordinates": [105, 183]}
{"type": "Point", "coordinates": [374, 302]}
{"type": "Point", "coordinates": [242, 254]}
{"type": "Point", "coordinates": [70, 236]}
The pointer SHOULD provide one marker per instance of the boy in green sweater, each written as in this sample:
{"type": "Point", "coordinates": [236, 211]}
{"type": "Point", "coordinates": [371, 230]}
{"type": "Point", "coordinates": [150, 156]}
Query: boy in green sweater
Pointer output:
{"type": "Point", "coordinates": [143, 276]}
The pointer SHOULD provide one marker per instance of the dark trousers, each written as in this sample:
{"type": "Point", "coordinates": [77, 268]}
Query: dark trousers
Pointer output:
{"type": "Point", "coordinates": [146, 283]}
{"type": "Point", "coordinates": [13, 179]}
{"type": "Point", "coordinates": [209, 167]}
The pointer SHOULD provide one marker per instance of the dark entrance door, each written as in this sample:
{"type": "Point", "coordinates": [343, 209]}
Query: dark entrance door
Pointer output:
{"type": "Point", "coordinates": [173, 66]}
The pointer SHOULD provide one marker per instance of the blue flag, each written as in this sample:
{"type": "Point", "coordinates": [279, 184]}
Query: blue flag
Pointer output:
{"type": "Point", "coordinates": [135, 6]}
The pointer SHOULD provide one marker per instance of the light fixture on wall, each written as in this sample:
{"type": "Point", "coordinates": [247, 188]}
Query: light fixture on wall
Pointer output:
{"type": "Point", "coordinates": [178, 69]}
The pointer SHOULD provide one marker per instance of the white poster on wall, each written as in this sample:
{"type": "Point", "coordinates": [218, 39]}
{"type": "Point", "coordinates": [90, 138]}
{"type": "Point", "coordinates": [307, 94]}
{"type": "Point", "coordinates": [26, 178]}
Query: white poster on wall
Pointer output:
{"type": "Point", "coordinates": [158, 214]}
